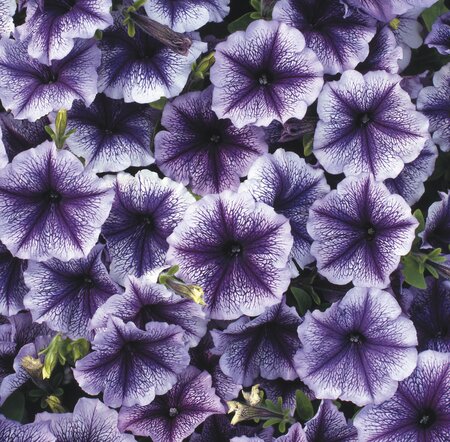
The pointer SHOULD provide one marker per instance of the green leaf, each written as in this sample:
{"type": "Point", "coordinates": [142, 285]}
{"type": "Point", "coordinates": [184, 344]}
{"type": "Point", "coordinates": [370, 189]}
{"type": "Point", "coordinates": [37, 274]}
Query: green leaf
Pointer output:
{"type": "Point", "coordinates": [419, 216]}
{"type": "Point", "coordinates": [159, 104]}
{"type": "Point", "coordinates": [255, 15]}
{"type": "Point", "coordinates": [49, 130]}
{"type": "Point", "coordinates": [411, 272]}
{"type": "Point", "coordinates": [315, 297]}
{"type": "Point", "coordinates": [272, 421]}
{"type": "Point", "coordinates": [256, 4]}
{"type": "Point", "coordinates": [308, 144]}
{"type": "Point", "coordinates": [430, 15]}
{"type": "Point", "coordinates": [432, 270]}
{"type": "Point", "coordinates": [241, 23]}
{"type": "Point", "coordinates": [303, 406]}
{"type": "Point", "coordinates": [282, 426]}
{"type": "Point", "coordinates": [14, 407]}
{"type": "Point", "coordinates": [302, 298]}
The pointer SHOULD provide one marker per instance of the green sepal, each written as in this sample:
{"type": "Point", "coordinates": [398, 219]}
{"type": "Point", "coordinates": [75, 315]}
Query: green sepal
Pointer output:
{"type": "Point", "coordinates": [14, 407]}
{"type": "Point", "coordinates": [302, 298]}
{"type": "Point", "coordinates": [430, 15]}
{"type": "Point", "coordinates": [303, 406]}
{"type": "Point", "coordinates": [412, 272]}
{"type": "Point", "coordinates": [159, 104]}
{"type": "Point", "coordinates": [308, 140]}
{"type": "Point", "coordinates": [241, 23]}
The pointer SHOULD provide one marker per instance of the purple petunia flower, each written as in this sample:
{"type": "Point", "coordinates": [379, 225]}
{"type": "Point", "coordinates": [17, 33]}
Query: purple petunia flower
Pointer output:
{"type": "Point", "coordinates": [141, 69]}
{"type": "Point", "coordinates": [434, 102]}
{"type": "Point", "coordinates": [430, 313]}
{"type": "Point", "coordinates": [199, 150]}
{"type": "Point", "coordinates": [52, 26]}
{"type": "Point", "coordinates": [285, 182]}
{"type": "Point", "coordinates": [175, 415]}
{"type": "Point", "coordinates": [439, 36]}
{"type": "Point", "coordinates": [65, 295]}
{"type": "Point", "coordinates": [13, 431]}
{"type": "Point", "coordinates": [145, 211]}
{"type": "Point", "coordinates": [50, 207]}
{"type": "Point", "coordinates": [31, 89]}
{"type": "Point", "coordinates": [340, 38]}
{"type": "Point", "coordinates": [358, 349]}
{"type": "Point", "coordinates": [7, 11]}
{"type": "Point", "coordinates": [111, 135]}
{"type": "Point", "coordinates": [144, 301]}
{"type": "Point", "coordinates": [12, 284]}
{"type": "Point", "coordinates": [236, 250]}
{"type": "Point", "coordinates": [21, 135]}
{"type": "Point", "coordinates": [437, 226]}
{"type": "Point", "coordinates": [329, 425]}
{"type": "Point", "coordinates": [130, 366]}
{"type": "Point", "coordinates": [367, 124]}
{"type": "Point", "coordinates": [418, 411]}
{"type": "Point", "coordinates": [91, 421]}
{"type": "Point", "coordinates": [187, 15]}
{"type": "Point", "coordinates": [264, 346]}
{"type": "Point", "coordinates": [295, 434]}
{"type": "Point", "coordinates": [265, 73]}
{"type": "Point", "coordinates": [360, 231]}
{"type": "Point", "coordinates": [3, 154]}
{"type": "Point", "coordinates": [410, 182]}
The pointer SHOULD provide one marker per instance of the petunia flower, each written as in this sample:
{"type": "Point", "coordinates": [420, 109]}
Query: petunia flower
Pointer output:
{"type": "Point", "coordinates": [175, 415]}
{"type": "Point", "coordinates": [199, 150]}
{"type": "Point", "coordinates": [439, 36]}
{"type": "Point", "coordinates": [294, 434]}
{"type": "Point", "coordinates": [12, 284]}
{"type": "Point", "coordinates": [65, 295]}
{"type": "Point", "coordinates": [329, 425]}
{"type": "Point", "coordinates": [11, 430]}
{"type": "Point", "coordinates": [31, 89]}
{"type": "Point", "coordinates": [367, 124]}
{"type": "Point", "coordinates": [144, 302]}
{"type": "Point", "coordinates": [50, 207]}
{"type": "Point", "coordinates": [236, 250]}
{"type": "Point", "coordinates": [430, 313]}
{"type": "Point", "coordinates": [410, 182]}
{"type": "Point", "coordinates": [264, 346]}
{"type": "Point", "coordinates": [21, 135]}
{"type": "Point", "coordinates": [111, 135]}
{"type": "Point", "coordinates": [265, 73]}
{"type": "Point", "coordinates": [360, 231]}
{"type": "Point", "coordinates": [284, 181]}
{"type": "Point", "coordinates": [141, 69]}
{"type": "Point", "coordinates": [418, 411]}
{"type": "Point", "coordinates": [434, 102]}
{"type": "Point", "coordinates": [7, 11]}
{"type": "Point", "coordinates": [437, 226]}
{"type": "Point", "coordinates": [187, 15]}
{"type": "Point", "coordinates": [338, 35]}
{"type": "Point", "coordinates": [52, 26]}
{"type": "Point", "coordinates": [91, 421]}
{"type": "Point", "coordinates": [358, 349]}
{"type": "Point", "coordinates": [130, 366]}
{"type": "Point", "coordinates": [145, 212]}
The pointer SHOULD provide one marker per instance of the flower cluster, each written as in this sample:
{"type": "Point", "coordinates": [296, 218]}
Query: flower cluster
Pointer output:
{"type": "Point", "coordinates": [224, 220]}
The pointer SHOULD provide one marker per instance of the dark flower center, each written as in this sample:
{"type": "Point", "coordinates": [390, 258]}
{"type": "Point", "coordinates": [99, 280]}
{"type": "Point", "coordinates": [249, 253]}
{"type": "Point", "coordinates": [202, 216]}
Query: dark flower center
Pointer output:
{"type": "Point", "coordinates": [173, 412]}
{"type": "Point", "coordinates": [87, 281]}
{"type": "Point", "coordinates": [232, 249]}
{"type": "Point", "coordinates": [363, 119]}
{"type": "Point", "coordinates": [59, 6]}
{"type": "Point", "coordinates": [356, 337]}
{"type": "Point", "coordinates": [53, 197]}
{"type": "Point", "coordinates": [147, 221]}
{"type": "Point", "coordinates": [370, 232]}
{"type": "Point", "coordinates": [264, 78]}
{"type": "Point", "coordinates": [426, 418]}
{"type": "Point", "coordinates": [48, 76]}
{"type": "Point", "coordinates": [148, 313]}
{"type": "Point", "coordinates": [215, 138]}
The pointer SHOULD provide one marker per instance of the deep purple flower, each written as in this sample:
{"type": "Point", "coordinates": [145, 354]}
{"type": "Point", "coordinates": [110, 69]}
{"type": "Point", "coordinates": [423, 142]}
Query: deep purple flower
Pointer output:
{"type": "Point", "coordinates": [7, 11]}
{"type": "Point", "coordinates": [265, 73]}
{"type": "Point", "coordinates": [339, 37]}
{"type": "Point", "coordinates": [367, 124]}
{"type": "Point", "coordinates": [50, 207]}
{"type": "Point", "coordinates": [21, 135]}
{"type": "Point", "coordinates": [130, 366]}
{"type": "Point", "coordinates": [236, 250]}
{"type": "Point", "coordinates": [285, 182]}
{"type": "Point", "coordinates": [187, 15]}
{"type": "Point", "coordinates": [329, 425]}
{"type": "Point", "coordinates": [199, 150]}
{"type": "Point", "coordinates": [13, 431]}
{"type": "Point", "coordinates": [144, 301]}
{"type": "Point", "coordinates": [358, 349]}
{"type": "Point", "coordinates": [91, 421]}
{"type": "Point", "coordinates": [52, 26]}
{"type": "Point", "coordinates": [145, 211]}
{"type": "Point", "coordinates": [3, 154]}
{"type": "Point", "coordinates": [439, 36]}
{"type": "Point", "coordinates": [419, 410]}
{"type": "Point", "coordinates": [31, 89]}
{"type": "Point", "coordinates": [141, 69]}
{"type": "Point", "coordinates": [410, 182]}
{"type": "Point", "coordinates": [12, 284]}
{"type": "Point", "coordinates": [437, 226]}
{"type": "Point", "coordinates": [384, 53]}
{"type": "Point", "coordinates": [430, 313]}
{"type": "Point", "coordinates": [111, 135]}
{"type": "Point", "coordinates": [264, 346]}
{"type": "Point", "coordinates": [434, 102]}
{"type": "Point", "coordinates": [174, 416]}
{"type": "Point", "coordinates": [360, 231]}
{"type": "Point", "coordinates": [295, 434]}
{"type": "Point", "coordinates": [65, 295]}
